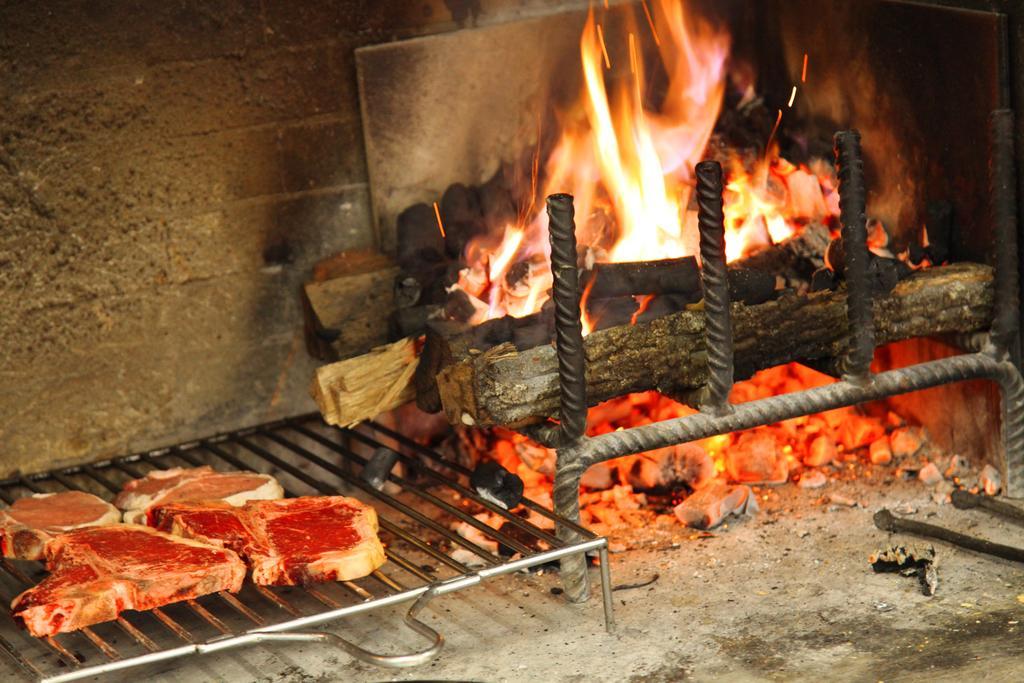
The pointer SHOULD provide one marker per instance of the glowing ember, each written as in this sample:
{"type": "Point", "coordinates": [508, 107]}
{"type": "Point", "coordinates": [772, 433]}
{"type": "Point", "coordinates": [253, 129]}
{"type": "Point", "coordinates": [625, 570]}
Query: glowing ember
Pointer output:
{"type": "Point", "coordinates": [630, 166]}
{"type": "Point", "coordinates": [812, 450]}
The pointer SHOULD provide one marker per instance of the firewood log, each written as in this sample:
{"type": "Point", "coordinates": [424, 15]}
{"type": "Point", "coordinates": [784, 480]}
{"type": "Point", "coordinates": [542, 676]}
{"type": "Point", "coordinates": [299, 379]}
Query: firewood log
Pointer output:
{"type": "Point", "coordinates": [503, 386]}
{"type": "Point", "coordinates": [357, 389]}
{"type": "Point", "coordinates": [347, 305]}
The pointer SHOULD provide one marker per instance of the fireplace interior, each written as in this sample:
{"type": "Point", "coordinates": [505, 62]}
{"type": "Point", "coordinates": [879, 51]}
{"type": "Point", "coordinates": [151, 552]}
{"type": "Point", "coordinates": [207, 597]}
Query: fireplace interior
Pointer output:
{"type": "Point", "coordinates": [637, 314]}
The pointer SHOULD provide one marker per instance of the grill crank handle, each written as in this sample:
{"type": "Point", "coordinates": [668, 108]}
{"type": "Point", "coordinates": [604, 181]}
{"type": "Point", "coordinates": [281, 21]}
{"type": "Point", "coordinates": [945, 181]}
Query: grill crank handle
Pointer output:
{"type": "Point", "coordinates": [389, 661]}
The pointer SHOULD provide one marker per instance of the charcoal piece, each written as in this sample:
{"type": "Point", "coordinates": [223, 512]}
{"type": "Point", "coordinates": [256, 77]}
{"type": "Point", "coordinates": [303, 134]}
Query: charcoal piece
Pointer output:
{"type": "Point", "coordinates": [519, 272]}
{"type": "Point", "coordinates": [939, 223]}
{"type": "Point", "coordinates": [835, 257]}
{"type": "Point", "coordinates": [432, 281]}
{"type": "Point", "coordinates": [496, 204]}
{"type": "Point", "coordinates": [663, 305]}
{"type": "Point", "coordinates": [916, 253]}
{"type": "Point", "coordinates": [460, 203]}
{"type": "Point", "coordinates": [496, 484]}
{"type": "Point", "coordinates": [496, 331]}
{"type": "Point", "coordinates": [407, 291]}
{"type": "Point", "coordinates": [676, 275]}
{"type": "Point", "coordinates": [883, 274]}
{"type": "Point", "coordinates": [377, 468]}
{"type": "Point", "coordinates": [458, 306]}
{"type": "Point", "coordinates": [418, 236]}
{"type": "Point", "coordinates": [462, 217]}
{"type": "Point", "coordinates": [909, 560]}
{"type": "Point", "coordinates": [604, 313]}
{"type": "Point", "coordinates": [822, 279]}
{"type": "Point", "coordinates": [749, 286]}
{"type": "Point", "coordinates": [531, 336]}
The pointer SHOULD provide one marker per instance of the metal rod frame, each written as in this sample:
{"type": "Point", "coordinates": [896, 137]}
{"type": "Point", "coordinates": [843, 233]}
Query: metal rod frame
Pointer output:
{"type": "Point", "coordinates": [267, 613]}
{"type": "Point", "coordinates": [991, 362]}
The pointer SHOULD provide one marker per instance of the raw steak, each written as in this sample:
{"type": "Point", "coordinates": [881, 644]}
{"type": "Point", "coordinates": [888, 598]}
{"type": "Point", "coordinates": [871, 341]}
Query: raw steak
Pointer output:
{"type": "Point", "coordinates": [198, 484]}
{"type": "Point", "coordinates": [286, 542]}
{"type": "Point", "coordinates": [31, 522]}
{"type": "Point", "coordinates": [97, 573]}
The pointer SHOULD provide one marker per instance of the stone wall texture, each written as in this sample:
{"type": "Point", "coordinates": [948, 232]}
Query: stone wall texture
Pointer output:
{"type": "Point", "coordinates": [169, 172]}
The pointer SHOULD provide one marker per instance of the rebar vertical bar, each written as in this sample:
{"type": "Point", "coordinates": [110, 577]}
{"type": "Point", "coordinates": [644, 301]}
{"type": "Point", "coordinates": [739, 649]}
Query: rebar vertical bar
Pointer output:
{"type": "Point", "coordinates": [568, 327]}
{"type": "Point", "coordinates": [572, 386]}
{"type": "Point", "coordinates": [1003, 178]}
{"type": "Point", "coordinates": [852, 206]}
{"type": "Point", "coordinates": [714, 276]}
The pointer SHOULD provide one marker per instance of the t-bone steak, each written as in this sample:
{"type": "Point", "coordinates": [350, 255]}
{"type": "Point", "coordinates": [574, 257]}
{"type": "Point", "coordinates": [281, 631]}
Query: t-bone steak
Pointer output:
{"type": "Point", "coordinates": [193, 485]}
{"type": "Point", "coordinates": [27, 526]}
{"type": "Point", "coordinates": [97, 573]}
{"type": "Point", "coordinates": [286, 542]}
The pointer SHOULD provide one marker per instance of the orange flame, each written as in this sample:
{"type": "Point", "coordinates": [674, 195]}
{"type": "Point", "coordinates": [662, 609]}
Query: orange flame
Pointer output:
{"type": "Point", "coordinates": [630, 167]}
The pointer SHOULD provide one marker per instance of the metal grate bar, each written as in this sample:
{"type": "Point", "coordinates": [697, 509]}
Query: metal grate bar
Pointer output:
{"type": "Point", "coordinates": [391, 501]}
{"type": "Point", "coordinates": [230, 599]}
{"type": "Point", "coordinates": [210, 618]}
{"type": "Point", "coordinates": [26, 665]}
{"type": "Point", "coordinates": [463, 491]}
{"type": "Point", "coordinates": [533, 506]}
{"type": "Point", "coordinates": [401, 481]}
{"type": "Point", "coordinates": [196, 607]}
{"type": "Point", "coordinates": [293, 448]}
{"type": "Point", "coordinates": [277, 600]}
{"type": "Point", "coordinates": [385, 524]}
{"type": "Point", "coordinates": [173, 626]}
{"type": "Point", "coordinates": [100, 479]}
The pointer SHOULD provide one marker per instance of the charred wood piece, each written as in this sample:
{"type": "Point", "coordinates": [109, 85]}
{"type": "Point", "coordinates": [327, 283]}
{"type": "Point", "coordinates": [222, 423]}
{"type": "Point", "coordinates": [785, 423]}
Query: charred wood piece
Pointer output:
{"type": "Point", "coordinates": [678, 276]}
{"type": "Point", "coordinates": [882, 273]}
{"type": "Point", "coordinates": [794, 259]}
{"type": "Point", "coordinates": [886, 521]}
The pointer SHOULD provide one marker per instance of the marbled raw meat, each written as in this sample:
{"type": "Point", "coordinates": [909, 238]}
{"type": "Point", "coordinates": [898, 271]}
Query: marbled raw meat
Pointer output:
{"type": "Point", "coordinates": [97, 573]}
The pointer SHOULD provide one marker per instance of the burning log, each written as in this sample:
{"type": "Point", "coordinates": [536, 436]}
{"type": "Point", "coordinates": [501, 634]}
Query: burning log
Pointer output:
{"type": "Point", "coordinates": [503, 386]}
{"type": "Point", "coordinates": [679, 276]}
{"type": "Point", "coordinates": [794, 259]}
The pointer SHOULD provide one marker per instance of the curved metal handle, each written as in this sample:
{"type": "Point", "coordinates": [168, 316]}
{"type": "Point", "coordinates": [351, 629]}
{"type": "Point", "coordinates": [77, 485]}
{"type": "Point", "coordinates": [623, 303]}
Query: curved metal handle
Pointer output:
{"type": "Point", "coordinates": [362, 654]}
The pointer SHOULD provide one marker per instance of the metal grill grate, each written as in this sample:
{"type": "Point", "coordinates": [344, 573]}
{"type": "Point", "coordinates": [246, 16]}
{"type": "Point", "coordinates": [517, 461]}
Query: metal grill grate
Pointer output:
{"type": "Point", "coordinates": [308, 458]}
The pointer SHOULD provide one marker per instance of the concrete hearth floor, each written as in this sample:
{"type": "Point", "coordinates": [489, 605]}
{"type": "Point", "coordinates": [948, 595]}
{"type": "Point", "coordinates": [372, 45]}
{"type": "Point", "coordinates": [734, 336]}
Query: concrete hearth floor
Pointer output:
{"type": "Point", "coordinates": [785, 595]}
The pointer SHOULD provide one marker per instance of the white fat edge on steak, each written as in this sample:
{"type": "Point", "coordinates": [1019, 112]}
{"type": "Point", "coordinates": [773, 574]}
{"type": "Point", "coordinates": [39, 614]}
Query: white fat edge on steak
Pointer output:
{"type": "Point", "coordinates": [270, 489]}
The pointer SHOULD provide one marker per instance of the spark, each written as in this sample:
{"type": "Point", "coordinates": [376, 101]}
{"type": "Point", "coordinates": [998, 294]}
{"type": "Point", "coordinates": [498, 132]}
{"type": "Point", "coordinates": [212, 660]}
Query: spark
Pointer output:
{"type": "Point", "coordinates": [775, 129]}
{"type": "Point", "coordinates": [440, 225]}
{"type": "Point", "coordinates": [604, 49]}
{"type": "Point", "coordinates": [650, 22]}
{"type": "Point", "coordinates": [792, 96]}
{"type": "Point", "coordinates": [803, 73]}
{"type": "Point", "coordinates": [632, 55]}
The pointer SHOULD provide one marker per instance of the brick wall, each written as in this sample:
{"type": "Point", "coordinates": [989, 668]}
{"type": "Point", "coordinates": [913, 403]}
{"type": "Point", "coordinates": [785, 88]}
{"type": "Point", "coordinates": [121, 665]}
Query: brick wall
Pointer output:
{"type": "Point", "coordinates": [169, 172]}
